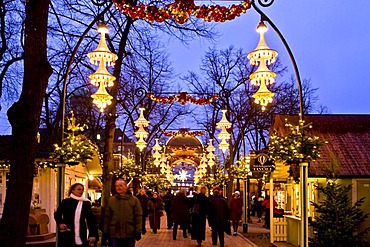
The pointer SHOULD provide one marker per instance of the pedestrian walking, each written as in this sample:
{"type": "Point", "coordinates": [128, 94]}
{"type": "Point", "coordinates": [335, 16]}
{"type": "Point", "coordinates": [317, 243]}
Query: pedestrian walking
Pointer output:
{"type": "Point", "coordinates": [218, 217]}
{"type": "Point", "coordinates": [199, 216]}
{"type": "Point", "coordinates": [143, 198]}
{"type": "Point", "coordinates": [155, 211]}
{"type": "Point", "coordinates": [266, 206]}
{"type": "Point", "coordinates": [236, 211]}
{"type": "Point", "coordinates": [260, 200]}
{"type": "Point", "coordinates": [167, 199]}
{"type": "Point", "coordinates": [74, 217]}
{"type": "Point", "coordinates": [123, 217]}
{"type": "Point", "coordinates": [180, 213]}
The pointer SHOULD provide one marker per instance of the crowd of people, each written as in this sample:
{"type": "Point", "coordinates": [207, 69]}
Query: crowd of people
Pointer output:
{"type": "Point", "coordinates": [125, 215]}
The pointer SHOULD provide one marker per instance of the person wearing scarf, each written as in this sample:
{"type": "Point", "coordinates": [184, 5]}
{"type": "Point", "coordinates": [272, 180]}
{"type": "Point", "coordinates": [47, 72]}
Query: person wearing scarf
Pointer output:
{"type": "Point", "coordinates": [72, 217]}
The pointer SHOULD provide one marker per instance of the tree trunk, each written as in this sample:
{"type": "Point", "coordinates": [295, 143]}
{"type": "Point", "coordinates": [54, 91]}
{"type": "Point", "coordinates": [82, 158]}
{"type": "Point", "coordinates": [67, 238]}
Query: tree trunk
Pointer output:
{"type": "Point", "coordinates": [111, 119]}
{"type": "Point", "coordinates": [24, 117]}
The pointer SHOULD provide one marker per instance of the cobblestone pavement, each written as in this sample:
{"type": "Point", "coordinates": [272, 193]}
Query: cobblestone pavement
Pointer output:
{"type": "Point", "coordinates": [164, 238]}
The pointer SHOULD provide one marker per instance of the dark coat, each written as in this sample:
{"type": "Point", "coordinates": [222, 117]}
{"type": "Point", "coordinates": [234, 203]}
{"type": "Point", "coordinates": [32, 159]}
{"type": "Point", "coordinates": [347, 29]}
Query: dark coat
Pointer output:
{"type": "Point", "coordinates": [218, 212]}
{"type": "Point", "coordinates": [236, 208]}
{"type": "Point", "coordinates": [155, 210]}
{"type": "Point", "coordinates": [198, 222]}
{"type": "Point", "coordinates": [144, 203]}
{"type": "Point", "coordinates": [65, 214]}
{"type": "Point", "coordinates": [180, 209]}
{"type": "Point", "coordinates": [167, 199]}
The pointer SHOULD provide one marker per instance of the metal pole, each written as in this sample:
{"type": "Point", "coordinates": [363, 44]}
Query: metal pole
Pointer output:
{"type": "Point", "coordinates": [303, 168]}
{"type": "Point", "coordinates": [245, 205]}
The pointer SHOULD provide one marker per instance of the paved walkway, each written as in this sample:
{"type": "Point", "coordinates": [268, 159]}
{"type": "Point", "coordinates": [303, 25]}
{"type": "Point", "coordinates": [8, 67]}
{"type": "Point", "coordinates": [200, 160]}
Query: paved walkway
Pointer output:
{"type": "Point", "coordinates": [164, 238]}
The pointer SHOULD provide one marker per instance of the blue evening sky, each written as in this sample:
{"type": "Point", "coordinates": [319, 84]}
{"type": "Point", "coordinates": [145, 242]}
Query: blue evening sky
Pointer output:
{"type": "Point", "coordinates": [329, 39]}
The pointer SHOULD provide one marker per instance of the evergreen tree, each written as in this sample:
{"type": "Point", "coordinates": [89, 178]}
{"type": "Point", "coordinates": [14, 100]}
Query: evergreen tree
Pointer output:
{"type": "Point", "coordinates": [337, 221]}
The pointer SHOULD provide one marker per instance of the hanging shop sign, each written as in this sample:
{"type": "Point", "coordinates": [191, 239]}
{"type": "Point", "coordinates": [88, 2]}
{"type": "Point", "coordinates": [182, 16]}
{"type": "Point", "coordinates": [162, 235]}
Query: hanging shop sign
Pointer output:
{"type": "Point", "coordinates": [261, 162]}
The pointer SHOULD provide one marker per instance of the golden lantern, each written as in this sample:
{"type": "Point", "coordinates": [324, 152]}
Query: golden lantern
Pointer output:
{"type": "Point", "coordinates": [102, 98]}
{"type": "Point", "coordinates": [262, 52]}
{"type": "Point", "coordinates": [223, 135]}
{"type": "Point", "coordinates": [141, 122]}
{"type": "Point", "coordinates": [261, 57]}
{"type": "Point", "coordinates": [102, 76]}
{"type": "Point", "coordinates": [141, 144]}
{"type": "Point", "coordinates": [156, 155]}
{"type": "Point", "coordinates": [263, 96]}
{"type": "Point", "coordinates": [224, 122]}
{"type": "Point", "coordinates": [102, 52]}
{"type": "Point", "coordinates": [210, 155]}
{"type": "Point", "coordinates": [102, 56]}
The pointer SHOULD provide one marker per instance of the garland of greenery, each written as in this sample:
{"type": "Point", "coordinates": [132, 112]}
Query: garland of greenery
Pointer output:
{"type": "Point", "coordinates": [296, 146]}
{"type": "Point", "coordinates": [181, 10]}
{"type": "Point", "coordinates": [156, 181]}
{"type": "Point", "coordinates": [75, 149]}
{"type": "Point", "coordinates": [130, 169]}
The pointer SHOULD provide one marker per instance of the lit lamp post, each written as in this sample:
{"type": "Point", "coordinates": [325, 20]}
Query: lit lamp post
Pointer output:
{"type": "Point", "coordinates": [245, 168]}
{"type": "Point", "coordinates": [304, 165]}
{"type": "Point", "coordinates": [224, 124]}
{"type": "Point", "coordinates": [141, 134]}
{"type": "Point", "coordinates": [103, 57]}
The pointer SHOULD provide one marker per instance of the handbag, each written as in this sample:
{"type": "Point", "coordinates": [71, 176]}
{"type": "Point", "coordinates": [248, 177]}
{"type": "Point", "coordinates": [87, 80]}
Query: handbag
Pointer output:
{"type": "Point", "coordinates": [227, 229]}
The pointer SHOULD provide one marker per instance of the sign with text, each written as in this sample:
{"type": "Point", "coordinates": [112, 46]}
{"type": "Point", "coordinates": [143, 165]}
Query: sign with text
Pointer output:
{"type": "Point", "coordinates": [261, 162]}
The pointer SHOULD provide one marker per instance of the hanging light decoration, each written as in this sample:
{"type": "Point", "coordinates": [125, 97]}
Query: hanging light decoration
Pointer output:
{"type": "Point", "coordinates": [261, 57]}
{"type": "Point", "coordinates": [211, 155]}
{"type": "Point", "coordinates": [224, 135]}
{"type": "Point", "coordinates": [102, 52]}
{"type": "Point", "coordinates": [102, 57]}
{"type": "Point", "coordinates": [156, 155]}
{"type": "Point", "coordinates": [141, 133]}
{"type": "Point", "coordinates": [102, 98]}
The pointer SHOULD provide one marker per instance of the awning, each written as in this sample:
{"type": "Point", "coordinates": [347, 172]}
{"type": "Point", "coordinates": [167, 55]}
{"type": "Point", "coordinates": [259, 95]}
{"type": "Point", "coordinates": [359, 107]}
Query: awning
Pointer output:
{"type": "Point", "coordinates": [94, 167]}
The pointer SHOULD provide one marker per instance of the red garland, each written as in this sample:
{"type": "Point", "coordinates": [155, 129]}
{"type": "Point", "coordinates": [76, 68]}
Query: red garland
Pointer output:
{"type": "Point", "coordinates": [182, 98]}
{"type": "Point", "coordinates": [181, 10]}
{"type": "Point", "coordinates": [184, 132]}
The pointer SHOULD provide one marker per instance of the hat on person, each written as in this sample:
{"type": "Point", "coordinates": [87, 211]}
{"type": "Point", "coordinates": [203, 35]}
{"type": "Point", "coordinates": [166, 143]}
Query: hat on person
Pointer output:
{"type": "Point", "coordinates": [237, 192]}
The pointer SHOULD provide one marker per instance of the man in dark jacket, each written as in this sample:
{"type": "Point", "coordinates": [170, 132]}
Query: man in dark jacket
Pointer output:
{"type": "Point", "coordinates": [143, 198]}
{"type": "Point", "coordinates": [218, 216]}
{"type": "Point", "coordinates": [167, 199]}
{"type": "Point", "coordinates": [123, 217]}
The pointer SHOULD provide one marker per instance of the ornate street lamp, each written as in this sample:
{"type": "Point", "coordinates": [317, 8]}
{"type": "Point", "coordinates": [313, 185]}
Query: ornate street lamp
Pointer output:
{"type": "Point", "coordinates": [157, 155]}
{"type": "Point", "coordinates": [141, 134]}
{"type": "Point", "coordinates": [224, 124]}
{"type": "Point", "coordinates": [211, 155]}
{"type": "Point", "coordinates": [304, 165]}
{"type": "Point", "coordinates": [261, 57]}
{"type": "Point", "coordinates": [103, 57]}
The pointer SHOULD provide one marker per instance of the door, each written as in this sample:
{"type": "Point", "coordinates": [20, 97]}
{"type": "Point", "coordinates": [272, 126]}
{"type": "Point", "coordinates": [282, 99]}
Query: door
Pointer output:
{"type": "Point", "coordinates": [363, 190]}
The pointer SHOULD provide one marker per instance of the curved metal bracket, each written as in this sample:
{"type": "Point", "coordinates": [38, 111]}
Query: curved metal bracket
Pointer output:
{"type": "Point", "coordinates": [296, 71]}
{"type": "Point", "coordinates": [140, 92]}
{"type": "Point", "coordinates": [266, 3]}
{"type": "Point", "coordinates": [99, 2]}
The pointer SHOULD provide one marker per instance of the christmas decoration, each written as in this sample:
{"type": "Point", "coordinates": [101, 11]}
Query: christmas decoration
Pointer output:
{"type": "Point", "coordinates": [182, 98]}
{"type": "Point", "coordinates": [184, 132]}
{"type": "Point", "coordinates": [338, 220]}
{"type": "Point", "coordinates": [296, 146]}
{"type": "Point", "coordinates": [181, 10]}
{"type": "Point", "coordinates": [75, 148]}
